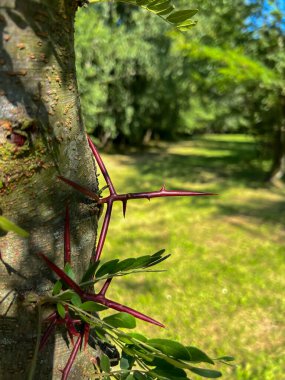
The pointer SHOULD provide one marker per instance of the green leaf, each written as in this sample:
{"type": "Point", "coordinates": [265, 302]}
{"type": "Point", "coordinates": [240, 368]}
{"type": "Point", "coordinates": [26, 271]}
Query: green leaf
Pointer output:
{"type": "Point", "coordinates": [139, 376]}
{"type": "Point", "coordinates": [158, 260]}
{"type": "Point", "coordinates": [144, 355]}
{"type": "Point", "coordinates": [66, 296]}
{"type": "Point", "coordinates": [125, 339]}
{"type": "Point", "coordinates": [124, 265]}
{"type": "Point", "coordinates": [100, 332]}
{"type": "Point", "coordinates": [163, 367]}
{"type": "Point", "coordinates": [125, 362]}
{"type": "Point", "coordinates": [142, 2]}
{"type": "Point", "coordinates": [105, 363]}
{"type": "Point", "coordinates": [121, 320]}
{"type": "Point", "coordinates": [166, 11]}
{"type": "Point", "coordinates": [141, 262]}
{"type": "Point", "coordinates": [159, 253]}
{"type": "Point", "coordinates": [130, 377]}
{"type": "Point", "coordinates": [90, 272]}
{"type": "Point", "coordinates": [7, 225]}
{"type": "Point", "coordinates": [198, 356]}
{"type": "Point", "coordinates": [159, 6]}
{"type": "Point", "coordinates": [186, 25]}
{"type": "Point", "coordinates": [171, 348]}
{"type": "Point", "coordinates": [170, 373]}
{"type": "Point", "coordinates": [60, 310]}
{"type": "Point", "coordinates": [138, 337]}
{"type": "Point", "coordinates": [209, 373]}
{"type": "Point", "coordinates": [69, 271]}
{"type": "Point", "coordinates": [107, 268]}
{"type": "Point", "coordinates": [181, 16]}
{"type": "Point", "coordinates": [57, 288]}
{"type": "Point", "coordinates": [92, 307]}
{"type": "Point", "coordinates": [76, 300]}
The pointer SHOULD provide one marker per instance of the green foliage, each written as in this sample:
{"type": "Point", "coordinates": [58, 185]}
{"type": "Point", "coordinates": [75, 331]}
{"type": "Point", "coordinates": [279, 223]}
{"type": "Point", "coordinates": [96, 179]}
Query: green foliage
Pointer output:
{"type": "Point", "coordinates": [131, 85]}
{"type": "Point", "coordinates": [181, 19]}
{"type": "Point", "coordinates": [139, 357]}
{"type": "Point", "coordinates": [227, 76]}
{"type": "Point", "coordinates": [237, 72]}
{"type": "Point", "coordinates": [131, 265]}
{"type": "Point", "coordinates": [121, 320]}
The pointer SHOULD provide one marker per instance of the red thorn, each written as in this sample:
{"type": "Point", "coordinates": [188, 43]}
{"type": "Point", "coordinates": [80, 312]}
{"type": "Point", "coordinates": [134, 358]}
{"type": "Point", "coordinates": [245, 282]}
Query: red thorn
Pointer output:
{"type": "Point", "coordinates": [124, 202]}
{"type": "Point", "coordinates": [105, 286]}
{"type": "Point", "coordinates": [116, 306]}
{"type": "Point", "coordinates": [70, 324]}
{"type": "Point", "coordinates": [71, 359]}
{"type": "Point", "coordinates": [163, 188]}
{"type": "Point", "coordinates": [104, 231]}
{"type": "Point", "coordinates": [80, 188]}
{"type": "Point", "coordinates": [69, 282]}
{"type": "Point", "coordinates": [50, 329]}
{"type": "Point", "coordinates": [86, 335]}
{"type": "Point", "coordinates": [101, 166]}
{"type": "Point", "coordinates": [70, 337]}
{"type": "Point", "coordinates": [51, 316]}
{"type": "Point", "coordinates": [67, 250]}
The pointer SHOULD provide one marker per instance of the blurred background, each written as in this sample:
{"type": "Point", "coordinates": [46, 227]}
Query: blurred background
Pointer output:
{"type": "Point", "coordinates": [204, 110]}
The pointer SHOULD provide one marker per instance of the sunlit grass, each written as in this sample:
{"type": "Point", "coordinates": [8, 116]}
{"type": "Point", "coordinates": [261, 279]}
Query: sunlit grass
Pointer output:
{"type": "Point", "coordinates": [224, 288]}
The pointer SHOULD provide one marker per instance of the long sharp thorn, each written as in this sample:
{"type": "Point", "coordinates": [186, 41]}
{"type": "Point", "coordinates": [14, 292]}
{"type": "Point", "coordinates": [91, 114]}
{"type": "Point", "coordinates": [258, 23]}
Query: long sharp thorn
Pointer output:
{"type": "Point", "coordinates": [86, 335]}
{"type": "Point", "coordinates": [104, 231]}
{"type": "Point", "coordinates": [125, 309]}
{"type": "Point", "coordinates": [165, 193]}
{"type": "Point", "coordinates": [70, 324]}
{"type": "Point", "coordinates": [67, 251]}
{"type": "Point", "coordinates": [71, 329]}
{"type": "Point", "coordinates": [62, 275]}
{"type": "Point", "coordinates": [154, 194]}
{"type": "Point", "coordinates": [71, 359]}
{"type": "Point", "coordinates": [50, 329]}
{"type": "Point", "coordinates": [70, 337]}
{"type": "Point", "coordinates": [105, 286]}
{"type": "Point", "coordinates": [80, 188]}
{"type": "Point", "coordinates": [101, 166]}
{"type": "Point", "coordinates": [51, 316]}
{"type": "Point", "coordinates": [124, 207]}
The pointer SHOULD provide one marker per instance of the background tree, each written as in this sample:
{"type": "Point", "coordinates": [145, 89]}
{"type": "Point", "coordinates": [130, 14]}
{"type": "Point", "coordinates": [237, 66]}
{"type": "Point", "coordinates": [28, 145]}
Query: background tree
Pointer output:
{"type": "Point", "coordinates": [230, 79]}
{"type": "Point", "coordinates": [132, 86]}
{"type": "Point", "coordinates": [237, 74]}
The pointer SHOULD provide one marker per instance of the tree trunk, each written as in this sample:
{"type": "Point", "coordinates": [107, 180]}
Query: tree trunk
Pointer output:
{"type": "Point", "coordinates": [41, 136]}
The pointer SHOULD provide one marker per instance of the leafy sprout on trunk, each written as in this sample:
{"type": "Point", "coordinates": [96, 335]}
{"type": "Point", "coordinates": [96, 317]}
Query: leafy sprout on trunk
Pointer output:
{"type": "Point", "coordinates": [77, 307]}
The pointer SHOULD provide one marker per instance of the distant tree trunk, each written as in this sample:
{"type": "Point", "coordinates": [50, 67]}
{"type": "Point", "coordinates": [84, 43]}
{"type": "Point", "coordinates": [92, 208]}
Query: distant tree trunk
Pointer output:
{"type": "Point", "coordinates": [277, 171]}
{"type": "Point", "coordinates": [41, 136]}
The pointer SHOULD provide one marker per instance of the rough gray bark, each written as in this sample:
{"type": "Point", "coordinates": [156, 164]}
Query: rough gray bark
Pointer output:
{"type": "Point", "coordinates": [41, 136]}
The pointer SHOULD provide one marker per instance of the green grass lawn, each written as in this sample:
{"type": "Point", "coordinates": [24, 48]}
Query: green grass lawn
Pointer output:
{"type": "Point", "coordinates": [224, 288]}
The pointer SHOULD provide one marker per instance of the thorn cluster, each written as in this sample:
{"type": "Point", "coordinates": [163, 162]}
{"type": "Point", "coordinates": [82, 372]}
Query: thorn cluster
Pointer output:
{"type": "Point", "coordinates": [124, 198]}
{"type": "Point", "coordinates": [83, 328]}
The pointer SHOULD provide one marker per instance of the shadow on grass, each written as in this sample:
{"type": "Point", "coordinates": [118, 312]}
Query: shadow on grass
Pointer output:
{"type": "Point", "coordinates": [266, 211]}
{"type": "Point", "coordinates": [214, 162]}
{"type": "Point", "coordinates": [202, 161]}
